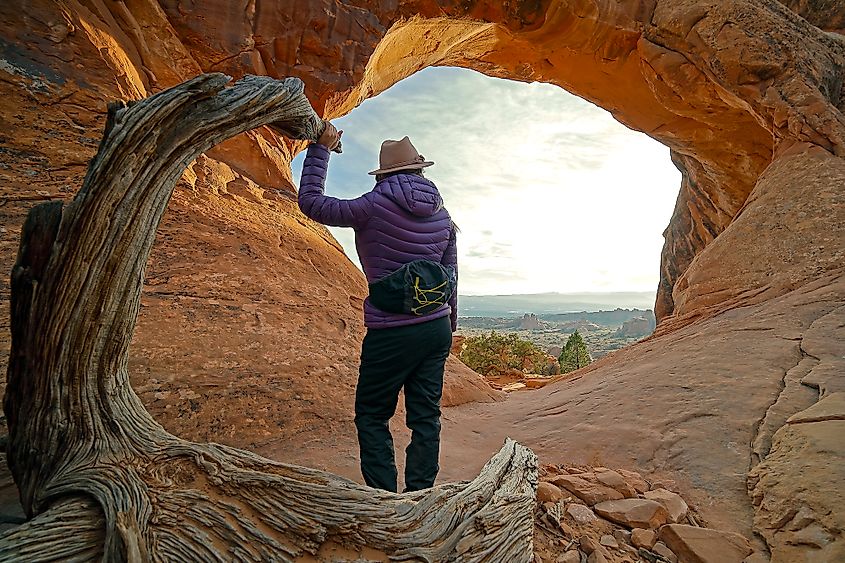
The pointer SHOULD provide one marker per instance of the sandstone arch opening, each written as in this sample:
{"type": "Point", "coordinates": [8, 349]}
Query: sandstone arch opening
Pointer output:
{"type": "Point", "coordinates": [559, 205]}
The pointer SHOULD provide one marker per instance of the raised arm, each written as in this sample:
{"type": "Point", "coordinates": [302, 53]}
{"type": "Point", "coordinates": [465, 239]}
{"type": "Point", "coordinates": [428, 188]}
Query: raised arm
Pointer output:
{"type": "Point", "coordinates": [450, 258]}
{"type": "Point", "coordinates": [322, 208]}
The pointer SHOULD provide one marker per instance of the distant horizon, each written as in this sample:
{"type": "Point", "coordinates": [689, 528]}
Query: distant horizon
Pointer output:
{"type": "Point", "coordinates": [632, 292]}
{"type": "Point", "coordinates": [515, 304]}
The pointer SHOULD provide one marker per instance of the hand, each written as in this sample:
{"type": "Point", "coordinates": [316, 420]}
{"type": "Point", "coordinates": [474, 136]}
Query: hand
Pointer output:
{"type": "Point", "coordinates": [330, 137]}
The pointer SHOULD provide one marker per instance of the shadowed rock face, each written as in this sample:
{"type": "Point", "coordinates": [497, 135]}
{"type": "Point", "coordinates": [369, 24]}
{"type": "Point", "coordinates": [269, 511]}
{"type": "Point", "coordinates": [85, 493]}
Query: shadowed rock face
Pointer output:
{"type": "Point", "coordinates": [251, 320]}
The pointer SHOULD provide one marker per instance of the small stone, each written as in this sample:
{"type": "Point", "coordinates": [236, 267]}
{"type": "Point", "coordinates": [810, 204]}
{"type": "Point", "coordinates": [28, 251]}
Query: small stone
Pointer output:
{"type": "Point", "coordinates": [664, 552]}
{"type": "Point", "coordinates": [580, 513]}
{"type": "Point", "coordinates": [672, 502]}
{"type": "Point", "coordinates": [704, 545]}
{"type": "Point", "coordinates": [622, 536]}
{"type": "Point", "coordinates": [567, 529]}
{"type": "Point", "coordinates": [590, 493]}
{"type": "Point", "coordinates": [616, 482]}
{"type": "Point", "coordinates": [609, 541]}
{"type": "Point", "coordinates": [588, 544]}
{"type": "Point", "coordinates": [546, 492]}
{"type": "Point", "coordinates": [634, 512]}
{"type": "Point", "coordinates": [571, 556]}
{"type": "Point", "coordinates": [641, 537]}
{"type": "Point", "coordinates": [597, 557]}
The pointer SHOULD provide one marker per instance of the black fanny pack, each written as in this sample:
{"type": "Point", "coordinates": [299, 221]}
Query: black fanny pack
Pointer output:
{"type": "Point", "coordinates": [417, 288]}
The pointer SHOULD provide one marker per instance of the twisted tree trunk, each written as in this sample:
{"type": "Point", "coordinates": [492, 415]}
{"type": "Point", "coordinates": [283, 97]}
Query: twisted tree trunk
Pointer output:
{"type": "Point", "coordinates": [98, 476]}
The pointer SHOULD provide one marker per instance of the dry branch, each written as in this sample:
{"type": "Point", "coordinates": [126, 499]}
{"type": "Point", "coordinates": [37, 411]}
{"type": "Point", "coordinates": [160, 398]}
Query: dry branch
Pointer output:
{"type": "Point", "coordinates": [90, 461]}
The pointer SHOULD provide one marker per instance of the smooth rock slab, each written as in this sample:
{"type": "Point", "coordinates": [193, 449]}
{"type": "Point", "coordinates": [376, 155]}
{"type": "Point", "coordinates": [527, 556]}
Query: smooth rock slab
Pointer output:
{"type": "Point", "coordinates": [634, 512]}
{"type": "Point", "coordinates": [704, 545]}
{"type": "Point", "coordinates": [672, 502]}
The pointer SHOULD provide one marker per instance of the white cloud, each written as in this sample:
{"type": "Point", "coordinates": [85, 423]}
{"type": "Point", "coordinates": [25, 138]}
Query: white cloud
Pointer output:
{"type": "Point", "coordinates": [550, 192]}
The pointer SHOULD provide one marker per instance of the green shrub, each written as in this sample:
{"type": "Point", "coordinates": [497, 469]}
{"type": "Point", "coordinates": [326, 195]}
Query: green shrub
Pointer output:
{"type": "Point", "coordinates": [499, 353]}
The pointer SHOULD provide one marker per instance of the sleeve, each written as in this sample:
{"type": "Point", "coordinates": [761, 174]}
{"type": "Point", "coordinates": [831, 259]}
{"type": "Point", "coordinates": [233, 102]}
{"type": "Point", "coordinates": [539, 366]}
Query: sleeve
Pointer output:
{"type": "Point", "coordinates": [450, 259]}
{"type": "Point", "coordinates": [322, 208]}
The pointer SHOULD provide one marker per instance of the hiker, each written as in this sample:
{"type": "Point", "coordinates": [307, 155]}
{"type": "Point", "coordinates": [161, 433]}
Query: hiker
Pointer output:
{"type": "Point", "coordinates": [406, 242]}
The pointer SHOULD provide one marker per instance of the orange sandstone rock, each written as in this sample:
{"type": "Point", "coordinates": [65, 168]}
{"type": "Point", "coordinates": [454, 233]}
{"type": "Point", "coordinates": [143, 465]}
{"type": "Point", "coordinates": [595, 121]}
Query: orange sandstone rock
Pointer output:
{"type": "Point", "coordinates": [591, 493]}
{"type": "Point", "coordinates": [703, 545]}
{"type": "Point", "coordinates": [633, 512]}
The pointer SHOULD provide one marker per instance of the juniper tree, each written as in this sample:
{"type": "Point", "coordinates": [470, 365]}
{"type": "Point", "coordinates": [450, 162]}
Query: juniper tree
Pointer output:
{"type": "Point", "coordinates": [574, 354]}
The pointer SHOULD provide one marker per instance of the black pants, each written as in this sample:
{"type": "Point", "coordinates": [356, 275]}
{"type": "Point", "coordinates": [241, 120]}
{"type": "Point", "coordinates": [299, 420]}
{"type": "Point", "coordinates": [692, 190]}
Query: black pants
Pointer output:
{"type": "Point", "coordinates": [412, 357]}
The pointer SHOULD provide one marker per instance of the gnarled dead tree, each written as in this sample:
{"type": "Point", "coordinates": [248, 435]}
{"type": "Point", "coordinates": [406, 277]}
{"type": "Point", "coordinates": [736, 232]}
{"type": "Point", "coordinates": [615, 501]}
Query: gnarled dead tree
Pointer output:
{"type": "Point", "coordinates": [99, 477]}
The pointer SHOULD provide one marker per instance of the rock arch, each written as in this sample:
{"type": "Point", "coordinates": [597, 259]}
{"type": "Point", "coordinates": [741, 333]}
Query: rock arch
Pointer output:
{"type": "Point", "coordinates": [726, 85]}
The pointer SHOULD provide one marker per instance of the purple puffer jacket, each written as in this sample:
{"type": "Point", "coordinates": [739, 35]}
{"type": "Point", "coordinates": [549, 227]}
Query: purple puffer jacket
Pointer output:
{"type": "Point", "coordinates": [401, 220]}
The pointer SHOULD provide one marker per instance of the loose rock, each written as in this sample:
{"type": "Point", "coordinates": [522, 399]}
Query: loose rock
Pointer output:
{"type": "Point", "coordinates": [704, 545]}
{"type": "Point", "coordinates": [622, 536]}
{"type": "Point", "coordinates": [588, 544]}
{"type": "Point", "coordinates": [672, 502]}
{"type": "Point", "coordinates": [571, 556]}
{"type": "Point", "coordinates": [580, 513]}
{"type": "Point", "coordinates": [634, 512]}
{"type": "Point", "coordinates": [641, 537]}
{"type": "Point", "coordinates": [609, 541]}
{"type": "Point", "coordinates": [664, 552]}
{"type": "Point", "coordinates": [590, 493]}
{"type": "Point", "coordinates": [547, 492]}
{"type": "Point", "coordinates": [634, 479]}
{"type": "Point", "coordinates": [616, 482]}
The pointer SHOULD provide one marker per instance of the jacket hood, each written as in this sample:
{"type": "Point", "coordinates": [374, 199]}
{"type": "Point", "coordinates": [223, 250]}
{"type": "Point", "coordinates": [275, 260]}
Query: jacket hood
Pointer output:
{"type": "Point", "coordinates": [415, 194]}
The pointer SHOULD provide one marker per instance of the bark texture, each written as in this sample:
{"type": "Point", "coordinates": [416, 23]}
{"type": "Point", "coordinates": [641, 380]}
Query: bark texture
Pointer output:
{"type": "Point", "coordinates": [90, 461]}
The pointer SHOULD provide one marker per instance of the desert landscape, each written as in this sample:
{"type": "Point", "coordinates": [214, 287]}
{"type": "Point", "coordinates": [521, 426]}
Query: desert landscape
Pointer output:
{"type": "Point", "coordinates": [718, 437]}
{"type": "Point", "coordinates": [603, 331]}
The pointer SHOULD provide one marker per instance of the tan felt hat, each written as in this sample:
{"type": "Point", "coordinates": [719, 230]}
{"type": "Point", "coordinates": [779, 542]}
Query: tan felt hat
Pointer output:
{"type": "Point", "coordinates": [399, 155]}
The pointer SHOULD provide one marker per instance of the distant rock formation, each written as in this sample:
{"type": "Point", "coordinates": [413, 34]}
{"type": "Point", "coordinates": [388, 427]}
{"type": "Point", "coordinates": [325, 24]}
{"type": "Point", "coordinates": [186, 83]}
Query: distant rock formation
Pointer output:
{"type": "Point", "coordinates": [529, 321]}
{"type": "Point", "coordinates": [639, 326]}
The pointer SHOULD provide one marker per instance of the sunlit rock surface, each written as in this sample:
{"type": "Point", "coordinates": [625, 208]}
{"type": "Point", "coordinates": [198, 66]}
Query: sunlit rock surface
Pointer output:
{"type": "Point", "coordinates": [251, 320]}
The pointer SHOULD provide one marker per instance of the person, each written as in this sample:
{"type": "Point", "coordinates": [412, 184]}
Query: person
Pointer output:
{"type": "Point", "coordinates": [402, 234]}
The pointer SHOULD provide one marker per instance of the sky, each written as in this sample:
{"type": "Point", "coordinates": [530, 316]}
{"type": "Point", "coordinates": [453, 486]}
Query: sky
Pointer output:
{"type": "Point", "coordinates": [550, 193]}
